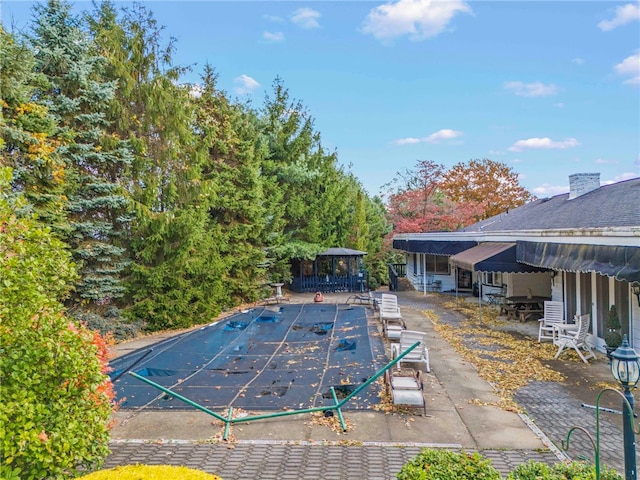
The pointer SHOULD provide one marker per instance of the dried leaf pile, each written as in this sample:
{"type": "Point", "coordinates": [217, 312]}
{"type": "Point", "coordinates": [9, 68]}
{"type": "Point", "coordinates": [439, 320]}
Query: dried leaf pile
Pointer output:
{"type": "Point", "coordinates": [508, 363]}
{"type": "Point", "coordinates": [332, 422]}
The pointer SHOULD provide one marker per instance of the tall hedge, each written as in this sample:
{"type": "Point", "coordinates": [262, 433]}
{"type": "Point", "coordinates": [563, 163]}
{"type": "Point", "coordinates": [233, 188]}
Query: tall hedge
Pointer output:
{"type": "Point", "coordinates": [56, 398]}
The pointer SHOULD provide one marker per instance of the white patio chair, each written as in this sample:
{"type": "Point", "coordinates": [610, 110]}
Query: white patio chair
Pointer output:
{"type": "Point", "coordinates": [389, 306]}
{"type": "Point", "coordinates": [406, 388]}
{"type": "Point", "coordinates": [575, 338]}
{"type": "Point", "coordinates": [390, 316]}
{"type": "Point", "coordinates": [420, 354]}
{"type": "Point", "coordinates": [553, 316]}
{"type": "Point", "coordinates": [392, 328]}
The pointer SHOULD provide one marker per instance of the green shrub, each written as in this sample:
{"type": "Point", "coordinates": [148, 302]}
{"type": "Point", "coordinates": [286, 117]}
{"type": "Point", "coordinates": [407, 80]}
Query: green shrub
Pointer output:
{"type": "Point", "coordinates": [444, 464]}
{"type": "Point", "coordinates": [149, 472]}
{"type": "Point", "coordinates": [56, 398]}
{"type": "Point", "coordinates": [561, 471]}
{"type": "Point", "coordinates": [109, 324]}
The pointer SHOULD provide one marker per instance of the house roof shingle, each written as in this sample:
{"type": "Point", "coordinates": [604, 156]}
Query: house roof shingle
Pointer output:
{"type": "Point", "coordinates": [614, 205]}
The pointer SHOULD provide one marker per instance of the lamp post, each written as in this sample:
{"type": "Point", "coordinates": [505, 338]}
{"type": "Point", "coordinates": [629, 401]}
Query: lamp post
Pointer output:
{"type": "Point", "coordinates": [625, 367]}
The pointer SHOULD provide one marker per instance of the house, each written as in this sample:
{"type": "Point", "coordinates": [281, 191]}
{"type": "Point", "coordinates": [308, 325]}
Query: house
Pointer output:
{"type": "Point", "coordinates": [582, 248]}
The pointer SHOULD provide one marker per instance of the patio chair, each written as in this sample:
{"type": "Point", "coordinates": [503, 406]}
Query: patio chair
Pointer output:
{"type": "Point", "coordinates": [364, 299]}
{"type": "Point", "coordinates": [405, 387]}
{"type": "Point", "coordinates": [391, 318]}
{"type": "Point", "coordinates": [575, 338]}
{"type": "Point", "coordinates": [553, 315]}
{"type": "Point", "coordinates": [420, 354]}
{"type": "Point", "coordinates": [389, 308]}
{"type": "Point", "coordinates": [392, 328]}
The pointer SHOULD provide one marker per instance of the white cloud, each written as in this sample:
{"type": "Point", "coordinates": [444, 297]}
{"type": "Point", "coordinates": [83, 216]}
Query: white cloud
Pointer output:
{"type": "Point", "coordinates": [407, 141]}
{"type": "Point", "coordinates": [548, 190]}
{"type": "Point", "coordinates": [273, 37]}
{"type": "Point", "coordinates": [444, 134]}
{"type": "Point", "coordinates": [273, 18]}
{"type": "Point", "coordinates": [545, 142]}
{"type": "Point", "coordinates": [559, 105]}
{"type": "Point", "coordinates": [630, 67]}
{"type": "Point", "coordinates": [578, 61]}
{"type": "Point", "coordinates": [306, 18]}
{"type": "Point", "coordinates": [245, 84]}
{"type": "Point", "coordinates": [419, 19]}
{"type": "Point", "coordinates": [624, 14]}
{"type": "Point", "coordinates": [536, 89]}
{"type": "Point", "coordinates": [622, 177]}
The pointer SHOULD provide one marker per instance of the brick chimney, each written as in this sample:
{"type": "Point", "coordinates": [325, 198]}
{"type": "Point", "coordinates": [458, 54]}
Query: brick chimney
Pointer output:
{"type": "Point", "coordinates": [581, 183]}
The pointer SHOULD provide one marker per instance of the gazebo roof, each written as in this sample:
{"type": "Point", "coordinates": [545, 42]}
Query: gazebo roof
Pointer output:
{"type": "Point", "coordinates": [340, 252]}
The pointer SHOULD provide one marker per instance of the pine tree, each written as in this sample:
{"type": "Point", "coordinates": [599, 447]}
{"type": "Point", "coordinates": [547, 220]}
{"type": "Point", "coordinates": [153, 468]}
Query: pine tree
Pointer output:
{"type": "Point", "coordinates": [177, 277]}
{"type": "Point", "coordinates": [231, 152]}
{"type": "Point", "coordinates": [77, 95]}
{"type": "Point", "coordinates": [27, 143]}
{"type": "Point", "coordinates": [304, 190]}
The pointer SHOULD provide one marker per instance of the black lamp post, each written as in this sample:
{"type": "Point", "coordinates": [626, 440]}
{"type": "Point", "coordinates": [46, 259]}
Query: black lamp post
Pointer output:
{"type": "Point", "coordinates": [625, 367]}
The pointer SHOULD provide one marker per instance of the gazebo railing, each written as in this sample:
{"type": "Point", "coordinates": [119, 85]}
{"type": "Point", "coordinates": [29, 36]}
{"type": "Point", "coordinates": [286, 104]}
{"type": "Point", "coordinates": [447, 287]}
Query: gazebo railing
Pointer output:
{"type": "Point", "coordinates": [328, 283]}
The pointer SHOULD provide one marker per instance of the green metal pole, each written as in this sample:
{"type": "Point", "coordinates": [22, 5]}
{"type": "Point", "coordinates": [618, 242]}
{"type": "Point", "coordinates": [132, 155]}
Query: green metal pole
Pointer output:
{"type": "Point", "coordinates": [629, 437]}
{"type": "Point", "coordinates": [335, 399]}
{"type": "Point", "coordinates": [282, 414]}
{"type": "Point", "coordinates": [227, 424]}
{"type": "Point", "coordinates": [179, 397]}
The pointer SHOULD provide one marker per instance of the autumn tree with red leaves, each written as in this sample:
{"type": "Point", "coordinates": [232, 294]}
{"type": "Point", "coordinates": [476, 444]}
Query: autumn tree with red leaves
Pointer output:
{"type": "Point", "coordinates": [430, 198]}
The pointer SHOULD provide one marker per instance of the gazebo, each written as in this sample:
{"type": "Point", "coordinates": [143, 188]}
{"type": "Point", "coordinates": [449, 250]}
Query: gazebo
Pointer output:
{"type": "Point", "coordinates": [334, 270]}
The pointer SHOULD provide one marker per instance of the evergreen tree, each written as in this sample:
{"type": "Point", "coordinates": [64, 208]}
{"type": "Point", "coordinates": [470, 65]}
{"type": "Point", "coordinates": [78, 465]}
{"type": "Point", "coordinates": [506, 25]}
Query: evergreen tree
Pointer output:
{"type": "Point", "coordinates": [77, 96]}
{"type": "Point", "coordinates": [359, 232]}
{"type": "Point", "coordinates": [378, 245]}
{"type": "Point", "coordinates": [231, 152]}
{"type": "Point", "coordinates": [27, 139]}
{"type": "Point", "coordinates": [178, 275]}
{"type": "Point", "coordinates": [304, 190]}
{"type": "Point", "coordinates": [149, 108]}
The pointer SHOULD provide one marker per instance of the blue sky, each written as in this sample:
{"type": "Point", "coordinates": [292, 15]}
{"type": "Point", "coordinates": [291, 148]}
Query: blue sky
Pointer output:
{"type": "Point", "coordinates": [549, 88]}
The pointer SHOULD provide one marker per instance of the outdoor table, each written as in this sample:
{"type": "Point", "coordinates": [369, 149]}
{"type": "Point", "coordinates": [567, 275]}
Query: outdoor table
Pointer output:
{"type": "Point", "coordinates": [527, 305]}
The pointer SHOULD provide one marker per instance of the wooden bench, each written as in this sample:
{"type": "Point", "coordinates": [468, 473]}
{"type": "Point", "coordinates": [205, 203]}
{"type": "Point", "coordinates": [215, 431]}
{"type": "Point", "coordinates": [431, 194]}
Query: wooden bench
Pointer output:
{"type": "Point", "coordinates": [508, 309]}
{"type": "Point", "coordinates": [529, 314]}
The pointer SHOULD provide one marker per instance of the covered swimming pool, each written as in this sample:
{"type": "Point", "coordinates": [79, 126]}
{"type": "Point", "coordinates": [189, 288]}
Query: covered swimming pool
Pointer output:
{"type": "Point", "coordinates": [266, 358]}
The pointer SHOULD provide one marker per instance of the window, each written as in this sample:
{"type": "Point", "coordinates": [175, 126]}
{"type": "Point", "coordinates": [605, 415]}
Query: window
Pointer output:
{"type": "Point", "coordinates": [492, 278]}
{"type": "Point", "coordinates": [437, 264]}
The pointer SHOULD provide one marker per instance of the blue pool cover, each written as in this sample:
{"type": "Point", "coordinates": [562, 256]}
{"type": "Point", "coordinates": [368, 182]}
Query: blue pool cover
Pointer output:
{"type": "Point", "coordinates": [266, 358]}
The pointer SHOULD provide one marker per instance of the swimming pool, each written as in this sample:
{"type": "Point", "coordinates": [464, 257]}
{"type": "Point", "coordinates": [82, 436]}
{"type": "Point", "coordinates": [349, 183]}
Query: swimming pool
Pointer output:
{"type": "Point", "coordinates": [265, 358]}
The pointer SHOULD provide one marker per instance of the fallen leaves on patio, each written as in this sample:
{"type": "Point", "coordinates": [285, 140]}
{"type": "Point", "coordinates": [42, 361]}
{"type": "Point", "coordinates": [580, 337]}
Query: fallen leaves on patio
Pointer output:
{"type": "Point", "coordinates": [331, 421]}
{"type": "Point", "coordinates": [500, 358]}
